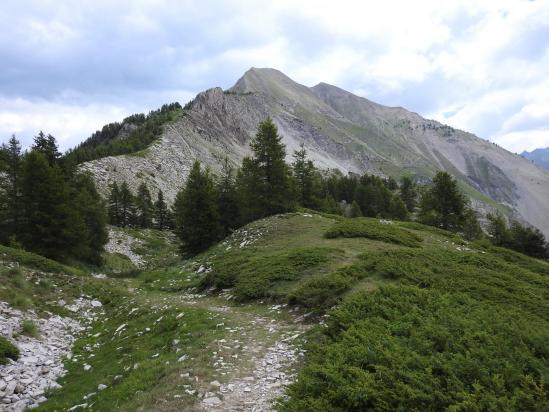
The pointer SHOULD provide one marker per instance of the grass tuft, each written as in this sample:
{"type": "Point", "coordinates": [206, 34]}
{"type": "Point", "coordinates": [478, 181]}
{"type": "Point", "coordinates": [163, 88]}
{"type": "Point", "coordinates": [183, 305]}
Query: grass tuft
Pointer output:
{"type": "Point", "coordinates": [28, 328]}
{"type": "Point", "coordinates": [7, 351]}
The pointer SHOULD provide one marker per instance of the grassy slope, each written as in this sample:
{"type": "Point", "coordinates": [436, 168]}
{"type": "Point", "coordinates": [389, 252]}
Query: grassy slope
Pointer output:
{"type": "Point", "coordinates": [426, 321]}
{"type": "Point", "coordinates": [142, 363]}
{"type": "Point", "coordinates": [423, 320]}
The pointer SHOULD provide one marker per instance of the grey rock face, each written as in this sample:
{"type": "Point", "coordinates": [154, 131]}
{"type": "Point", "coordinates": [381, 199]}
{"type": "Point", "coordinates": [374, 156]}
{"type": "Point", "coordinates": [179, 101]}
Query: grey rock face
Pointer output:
{"type": "Point", "coordinates": [340, 130]}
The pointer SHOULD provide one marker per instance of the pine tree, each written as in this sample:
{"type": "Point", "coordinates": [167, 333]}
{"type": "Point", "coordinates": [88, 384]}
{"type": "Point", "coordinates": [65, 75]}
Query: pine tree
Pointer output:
{"type": "Point", "coordinates": [527, 240]}
{"type": "Point", "coordinates": [50, 225]}
{"type": "Point", "coordinates": [398, 209]}
{"type": "Point", "coordinates": [196, 215]}
{"type": "Point", "coordinates": [408, 193]}
{"type": "Point", "coordinates": [113, 205]}
{"type": "Point", "coordinates": [91, 211]}
{"type": "Point", "coordinates": [304, 172]}
{"type": "Point", "coordinates": [497, 229]}
{"type": "Point", "coordinates": [471, 226]}
{"type": "Point", "coordinates": [265, 177]}
{"type": "Point", "coordinates": [127, 206]}
{"type": "Point", "coordinates": [144, 206]}
{"type": "Point", "coordinates": [161, 212]}
{"type": "Point", "coordinates": [390, 183]}
{"type": "Point", "coordinates": [443, 204]}
{"type": "Point", "coordinates": [227, 199]}
{"type": "Point", "coordinates": [368, 198]}
{"type": "Point", "coordinates": [47, 146]}
{"type": "Point", "coordinates": [248, 185]}
{"type": "Point", "coordinates": [10, 215]}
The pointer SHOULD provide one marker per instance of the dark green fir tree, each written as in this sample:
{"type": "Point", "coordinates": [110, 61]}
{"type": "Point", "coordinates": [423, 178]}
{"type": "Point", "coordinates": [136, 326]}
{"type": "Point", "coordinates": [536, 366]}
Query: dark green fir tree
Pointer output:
{"type": "Point", "coordinates": [196, 215]}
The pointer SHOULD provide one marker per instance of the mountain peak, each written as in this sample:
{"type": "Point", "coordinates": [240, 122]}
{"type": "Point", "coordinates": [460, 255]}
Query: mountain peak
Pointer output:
{"type": "Point", "coordinates": [260, 74]}
{"type": "Point", "coordinates": [268, 81]}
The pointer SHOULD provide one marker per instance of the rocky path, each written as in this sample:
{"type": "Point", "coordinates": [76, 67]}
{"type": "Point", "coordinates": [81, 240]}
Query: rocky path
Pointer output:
{"type": "Point", "coordinates": [255, 360]}
{"type": "Point", "coordinates": [245, 368]}
{"type": "Point", "coordinates": [272, 372]}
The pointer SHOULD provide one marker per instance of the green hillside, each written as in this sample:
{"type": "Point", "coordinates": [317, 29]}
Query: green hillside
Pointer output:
{"type": "Point", "coordinates": [426, 321]}
{"type": "Point", "coordinates": [398, 316]}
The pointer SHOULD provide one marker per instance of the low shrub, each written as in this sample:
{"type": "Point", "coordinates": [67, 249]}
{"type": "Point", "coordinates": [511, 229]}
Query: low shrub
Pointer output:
{"type": "Point", "coordinates": [321, 291]}
{"type": "Point", "coordinates": [406, 348]}
{"type": "Point", "coordinates": [253, 276]}
{"type": "Point", "coordinates": [375, 230]}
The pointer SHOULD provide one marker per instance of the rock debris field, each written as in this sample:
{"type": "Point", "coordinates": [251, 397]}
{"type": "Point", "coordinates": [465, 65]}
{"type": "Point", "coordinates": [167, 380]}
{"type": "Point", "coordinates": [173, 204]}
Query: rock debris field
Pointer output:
{"type": "Point", "coordinates": [122, 243]}
{"type": "Point", "coordinates": [24, 383]}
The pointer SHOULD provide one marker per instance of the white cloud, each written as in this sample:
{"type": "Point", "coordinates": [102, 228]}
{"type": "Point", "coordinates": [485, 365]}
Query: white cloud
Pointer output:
{"type": "Point", "coordinates": [26, 118]}
{"type": "Point", "coordinates": [71, 123]}
{"type": "Point", "coordinates": [479, 66]}
{"type": "Point", "coordinates": [527, 140]}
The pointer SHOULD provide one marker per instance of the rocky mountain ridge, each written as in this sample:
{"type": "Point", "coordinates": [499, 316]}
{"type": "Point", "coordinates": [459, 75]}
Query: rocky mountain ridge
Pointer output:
{"type": "Point", "coordinates": [340, 130]}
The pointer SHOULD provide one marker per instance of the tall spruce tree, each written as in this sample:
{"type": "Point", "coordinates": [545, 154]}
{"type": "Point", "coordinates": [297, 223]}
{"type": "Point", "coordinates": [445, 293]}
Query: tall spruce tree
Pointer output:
{"type": "Point", "coordinates": [305, 176]}
{"type": "Point", "coordinates": [10, 207]}
{"type": "Point", "coordinates": [497, 229]}
{"type": "Point", "coordinates": [127, 209]}
{"type": "Point", "coordinates": [265, 182]}
{"type": "Point", "coordinates": [113, 205]}
{"type": "Point", "coordinates": [227, 199]}
{"type": "Point", "coordinates": [408, 193]}
{"type": "Point", "coordinates": [397, 209]}
{"type": "Point", "coordinates": [50, 223]}
{"type": "Point", "coordinates": [162, 218]}
{"type": "Point", "coordinates": [471, 225]}
{"type": "Point", "coordinates": [196, 215]}
{"type": "Point", "coordinates": [248, 184]}
{"type": "Point", "coordinates": [443, 204]}
{"type": "Point", "coordinates": [47, 145]}
{"type": "Point", "coordinates": [92, 215]}
{"type": "Point", "coordinates": [144, 206]}
{"type": "Point", "coordinates": [528, 240]}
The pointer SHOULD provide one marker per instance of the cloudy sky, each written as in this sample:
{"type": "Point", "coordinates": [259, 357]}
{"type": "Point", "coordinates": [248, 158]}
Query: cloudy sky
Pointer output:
{"type": "Point", "coordinates": [69, 67]}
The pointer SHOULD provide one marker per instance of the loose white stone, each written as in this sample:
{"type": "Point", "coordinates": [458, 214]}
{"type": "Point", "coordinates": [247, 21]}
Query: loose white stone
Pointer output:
{"type": "Point", "coordinates": [211, 401]}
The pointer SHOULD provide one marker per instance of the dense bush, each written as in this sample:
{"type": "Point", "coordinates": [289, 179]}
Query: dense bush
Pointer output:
{"type": "Point", "coordinates": [373, 229]}
{"type": "Point", "coordinates": [321, 292]}
{"type": "Point", "coordinates": [461, 331]}
{"type": "Point", "coordinates": [406, 348]}
{"type": "Point", "coordinates": [254, 276]}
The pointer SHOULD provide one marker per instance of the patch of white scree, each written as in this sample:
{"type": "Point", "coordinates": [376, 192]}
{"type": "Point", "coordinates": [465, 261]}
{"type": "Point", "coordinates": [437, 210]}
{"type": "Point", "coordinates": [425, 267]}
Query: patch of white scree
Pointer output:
{"type": "Point", "coordinates": [24, 382]}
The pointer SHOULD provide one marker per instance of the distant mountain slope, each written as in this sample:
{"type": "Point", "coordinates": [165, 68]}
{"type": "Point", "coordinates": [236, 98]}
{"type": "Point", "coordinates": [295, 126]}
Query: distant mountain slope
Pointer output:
{"type": "Point", "coordinates": [538, 156]}
{"type": "Point", "coordinates": [340, 130]}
